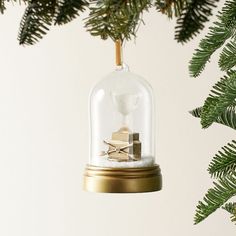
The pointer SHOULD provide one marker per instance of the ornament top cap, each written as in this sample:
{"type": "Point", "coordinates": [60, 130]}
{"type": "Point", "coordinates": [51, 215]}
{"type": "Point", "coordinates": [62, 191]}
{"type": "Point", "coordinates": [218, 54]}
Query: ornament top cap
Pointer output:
{"type": "Point", "coordinates": [122, 67]}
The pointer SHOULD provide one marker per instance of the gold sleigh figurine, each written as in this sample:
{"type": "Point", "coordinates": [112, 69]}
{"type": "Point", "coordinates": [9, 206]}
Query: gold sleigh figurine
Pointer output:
{"type": "Point", "coordinates": [124, 146]}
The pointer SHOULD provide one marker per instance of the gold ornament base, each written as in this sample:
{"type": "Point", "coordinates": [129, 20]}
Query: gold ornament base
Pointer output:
{"type": "Point", "coordinates": [122, 180]}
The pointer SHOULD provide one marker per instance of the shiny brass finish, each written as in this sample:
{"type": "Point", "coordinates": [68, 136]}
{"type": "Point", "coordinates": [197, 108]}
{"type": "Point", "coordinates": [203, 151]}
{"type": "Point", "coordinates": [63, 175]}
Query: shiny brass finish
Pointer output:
{"type": "Point", "coordinates": [122, 180]}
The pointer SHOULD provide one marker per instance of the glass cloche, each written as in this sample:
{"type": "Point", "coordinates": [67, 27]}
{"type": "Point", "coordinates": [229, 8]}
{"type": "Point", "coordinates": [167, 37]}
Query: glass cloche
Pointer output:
{"type": "Point", "coordinates": [122, 139]}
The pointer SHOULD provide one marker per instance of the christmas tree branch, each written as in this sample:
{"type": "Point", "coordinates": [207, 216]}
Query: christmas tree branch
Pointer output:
{"type": "Point", "coordinates": [223, 96]}
{"type": "Point", "coordinates": [115, 19]}
{"type": "Point", "coordinates": [37, 18]}
{"type": "Point", "coordinates": [231, 208]}
{"type": "Point", "coordinates": [227, 117]}
{"type": "Point", "coordinates": [68, 10]}
{"type": "Point", "coordinates": [224, 162]}
{"type": "Point", "coordinates": [228, 56]}
{"type": "Point", "coordinates": [170, 7]}
{"type": "Point", "coordinates": [221, 31]}
{"type": "Point", "coordinates": [216, 197]}
{"type": "Point", "coordinates": [192, 19]}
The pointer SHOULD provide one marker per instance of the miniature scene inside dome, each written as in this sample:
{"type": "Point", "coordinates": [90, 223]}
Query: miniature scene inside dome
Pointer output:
{"type": "Point", "coordinates": [121, 122]}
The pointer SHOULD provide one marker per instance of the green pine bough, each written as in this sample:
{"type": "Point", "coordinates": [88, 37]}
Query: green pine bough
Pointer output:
{"type": "Point", "coordinates": [219, 107]}
{"type": "Point", "coordinates": [114, 19]}
{"type": "Point", "coordinates": [223, 190]}
{"type": "Point", "coordinates": [192, 19]}
{"type": "Point", "coordinates": [231, 208]}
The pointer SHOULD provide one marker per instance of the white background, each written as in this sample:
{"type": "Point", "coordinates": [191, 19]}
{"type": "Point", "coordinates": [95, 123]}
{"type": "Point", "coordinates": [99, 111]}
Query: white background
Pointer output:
{"type": "Point", "coordinates": [44, 142]}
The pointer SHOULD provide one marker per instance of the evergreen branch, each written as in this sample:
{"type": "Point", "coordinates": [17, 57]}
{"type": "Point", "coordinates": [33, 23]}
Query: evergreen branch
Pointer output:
{"type": "Point", "coordinates": [2, 6]}
{"type": "Point", "coordinates": [224, 162]}
{"type": "Point", "coordinates": [170, 7]}
{"type": "Point", "coordinates": [115, 19]}
{"type": "Point", "coordinates": [222, 30]}
{"type": "Point", "coordinates": [228, 56]}
{"type": "Point", "coordinates": [37, 17]}
{"type": "Point", "coordinates": [228, 13]}
{"type": "Point", "coordinates": [223, 96]}
{"type": "Point", "coordinates": [217, 196]}
{"type": "Point", "coordinates": [192, 19]}
{"type": "Point", "coordinates": [68, 10]}
{"type": "Point", "coordinates": [231, 208]}
{"type": "Point", "coordinates": [215, 39]}
{"type": "Point", "coordinates": [227, 118]}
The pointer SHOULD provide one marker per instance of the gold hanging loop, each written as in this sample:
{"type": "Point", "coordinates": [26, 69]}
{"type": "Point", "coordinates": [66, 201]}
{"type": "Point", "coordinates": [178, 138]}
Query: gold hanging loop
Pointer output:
{"type": "Point", "coordinates": [118, 52]}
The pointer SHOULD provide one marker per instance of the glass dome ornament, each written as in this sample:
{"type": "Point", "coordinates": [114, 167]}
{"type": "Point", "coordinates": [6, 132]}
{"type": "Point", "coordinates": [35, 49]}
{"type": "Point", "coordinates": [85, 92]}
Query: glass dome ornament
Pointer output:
{"type": "Point", "coordinates": [122, 138]}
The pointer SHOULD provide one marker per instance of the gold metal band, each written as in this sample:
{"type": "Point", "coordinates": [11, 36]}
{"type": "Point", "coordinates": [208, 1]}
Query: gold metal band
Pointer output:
{"type": "Point", "coordinates": [122, 180]}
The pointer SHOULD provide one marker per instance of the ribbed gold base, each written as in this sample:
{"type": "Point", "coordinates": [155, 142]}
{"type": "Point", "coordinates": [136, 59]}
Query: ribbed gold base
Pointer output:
{"type": "Point", "coordinates": [122, 180]}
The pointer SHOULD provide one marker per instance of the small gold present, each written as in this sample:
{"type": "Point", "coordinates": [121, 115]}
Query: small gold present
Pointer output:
{"type": "Point", "coordinates": [124, 146]}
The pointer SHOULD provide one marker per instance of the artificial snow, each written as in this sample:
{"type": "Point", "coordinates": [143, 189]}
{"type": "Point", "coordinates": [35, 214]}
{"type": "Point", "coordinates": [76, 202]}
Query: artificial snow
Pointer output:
{"type": "Point", "coordinates": [146, 161]}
